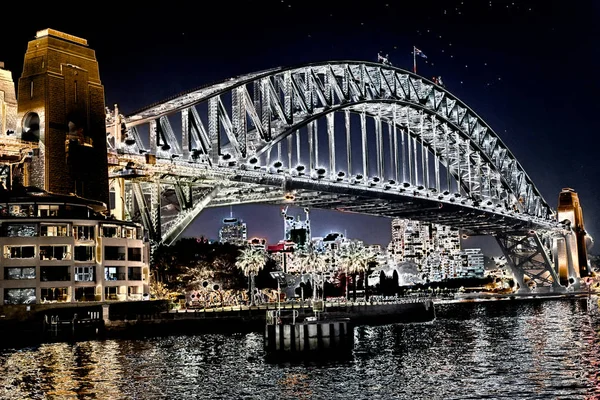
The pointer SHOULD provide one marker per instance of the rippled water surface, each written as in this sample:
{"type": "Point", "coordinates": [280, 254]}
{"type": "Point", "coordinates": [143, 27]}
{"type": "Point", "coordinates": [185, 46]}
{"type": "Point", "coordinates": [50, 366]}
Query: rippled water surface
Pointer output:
{"type": "Point", "coordinates": [538, 349]}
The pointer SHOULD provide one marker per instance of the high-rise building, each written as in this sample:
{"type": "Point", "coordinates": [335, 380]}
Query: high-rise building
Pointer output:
{"type": "Point", "coordinates": [233, 231]}
{"type": "Point", "coordinates": [433, 247]}
{"type": "Point", "coordinates": [472, 264]}
{"type": "Point", "coordinates": [296, 230]}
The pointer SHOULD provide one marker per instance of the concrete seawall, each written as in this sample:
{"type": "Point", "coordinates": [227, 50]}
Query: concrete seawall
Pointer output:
{"type": "Point", "coordinates": [146, 319]}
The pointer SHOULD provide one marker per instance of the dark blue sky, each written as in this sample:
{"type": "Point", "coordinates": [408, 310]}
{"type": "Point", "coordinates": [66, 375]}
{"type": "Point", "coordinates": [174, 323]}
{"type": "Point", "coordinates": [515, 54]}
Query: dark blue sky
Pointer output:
{"type": "Point", "coordinates": [529, 68]}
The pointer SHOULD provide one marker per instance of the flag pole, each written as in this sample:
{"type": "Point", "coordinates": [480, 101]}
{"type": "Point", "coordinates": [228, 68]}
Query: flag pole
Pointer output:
{"type": "Point", "coordinates": [414, 59]}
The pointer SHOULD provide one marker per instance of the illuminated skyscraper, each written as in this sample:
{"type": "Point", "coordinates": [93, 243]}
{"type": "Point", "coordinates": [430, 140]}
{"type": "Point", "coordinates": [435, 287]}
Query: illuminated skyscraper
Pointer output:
{"type": "Point", "coordinates": [233, 231]}
{"type": "Point", "coordinates": [296, 230]}
{"type": "Point", "coordinates": [433, 247]}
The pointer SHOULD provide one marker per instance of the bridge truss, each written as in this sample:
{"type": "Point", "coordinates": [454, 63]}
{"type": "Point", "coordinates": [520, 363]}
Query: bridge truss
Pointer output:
{"type": "Point", "coordinates": [350, 136]}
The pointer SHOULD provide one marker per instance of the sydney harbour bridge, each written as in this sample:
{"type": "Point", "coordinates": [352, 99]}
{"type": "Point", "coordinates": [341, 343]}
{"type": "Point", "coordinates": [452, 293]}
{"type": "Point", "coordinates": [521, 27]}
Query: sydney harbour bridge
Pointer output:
{"type": "Point", "coordinates": [351, 136]}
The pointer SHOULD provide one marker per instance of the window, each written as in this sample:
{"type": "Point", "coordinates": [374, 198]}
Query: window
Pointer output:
{"type": "Point", "coordinates": [134, 291]}
{"type": "Point", "coordinates": [111, 231]}
{"type": "Point", "coordinates": [19, 251]}
{"type": "Point", "coordinates": [82, 232]}
{"type": "Point", "coordinates": [134, 254]}
{"type": "Point", "coordinates": [111, 292]}
{"type": "Point", "coordinates": [129, 232]}
{"type": "Point", "coordinates": [19, 273]}
{"type": "Point", "coordinates": [114, 253]}
{"type": "Point", "coordinates": [55, 273]}
{"type": "Point", "coordinates": [84, 274]}
{"type": "Point", "coordinates": [21, 230]}
{"type": "Point", "coordinates": [113, 274]}
{"type": "Point", "coordinates": [60, 252]}
{"type": "Point", "coordinates": [48, 210]}
{"type": "Point", "coordinates": [19, 296]}
{"type": "Point", "coordinates": [53, 230]}
{"type": "Point", "coordinates": [85, 294]}
{"type": "Point", "coordinates": [20, 210]}
{"type": "Point", "coordinates": [84, 253]}
{"type": "Point", "coordinates": [134, 274]}
{"type": "Point", "coordinates": [54, 294]}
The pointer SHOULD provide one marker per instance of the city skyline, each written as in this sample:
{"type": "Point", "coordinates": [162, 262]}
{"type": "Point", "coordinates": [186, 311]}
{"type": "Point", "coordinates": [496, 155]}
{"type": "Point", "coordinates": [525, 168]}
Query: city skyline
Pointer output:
{"type": "Point", "coordinates": [488, 54]}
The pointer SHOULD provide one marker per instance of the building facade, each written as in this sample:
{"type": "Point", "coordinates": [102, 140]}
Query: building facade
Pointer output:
{"type": "Point", "coordinates": [63, 249]}
{"type": "Point", "coordinates": [58, 242]}
{"type": "Point", "coordinates": [233, 231]}
{"type": "Point", "coordinates": [434, 248]}
{"type": "Point", "coordinates": [472, 265]}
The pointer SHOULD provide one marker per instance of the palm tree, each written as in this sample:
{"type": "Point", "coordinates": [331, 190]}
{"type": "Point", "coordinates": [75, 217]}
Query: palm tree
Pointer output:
{"type": "Point", "coordinates": [365, 259]}
{"type": "Point", "coordinates": [356, 258]}
{"type": "Point", "coordinates": [314, 263]}
{"type": "Point", "coordinates": [251, 260]}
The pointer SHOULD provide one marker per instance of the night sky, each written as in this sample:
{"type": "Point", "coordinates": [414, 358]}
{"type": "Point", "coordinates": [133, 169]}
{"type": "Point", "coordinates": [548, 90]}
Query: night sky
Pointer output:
{"type": "Point", "coordinates": [528, 68]}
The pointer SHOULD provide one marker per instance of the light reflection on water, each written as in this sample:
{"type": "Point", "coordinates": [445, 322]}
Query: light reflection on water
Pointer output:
{"type": "Point", "coordinates": [502, 350]}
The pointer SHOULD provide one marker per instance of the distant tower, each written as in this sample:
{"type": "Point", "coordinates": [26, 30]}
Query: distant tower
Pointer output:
{"type": "Point", "coordinates": [233, 231]}
{"type": "Point", "coordinates": [574, 245]}
{"type": "Point", "coordinates": [61, 106]}
{"type": "Point", "coordinates": [296, 230]}
{"type": "Point", "coordinates": [8, 103]}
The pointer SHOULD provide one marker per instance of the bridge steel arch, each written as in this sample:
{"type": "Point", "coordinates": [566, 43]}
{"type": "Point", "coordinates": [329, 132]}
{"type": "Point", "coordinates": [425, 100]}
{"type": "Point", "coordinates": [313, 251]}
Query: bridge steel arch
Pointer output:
{"type": "Point", "coordinates": [255, 138]}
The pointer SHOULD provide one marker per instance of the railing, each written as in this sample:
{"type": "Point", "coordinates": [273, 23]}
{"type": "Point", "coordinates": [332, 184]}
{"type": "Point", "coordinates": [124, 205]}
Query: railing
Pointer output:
{"type": "Point", "coordinates": [337, 302]}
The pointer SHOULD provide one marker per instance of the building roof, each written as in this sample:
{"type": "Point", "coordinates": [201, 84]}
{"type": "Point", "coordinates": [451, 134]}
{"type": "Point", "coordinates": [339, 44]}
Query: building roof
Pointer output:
{"type": "Point", "coordinates": [32, 194]}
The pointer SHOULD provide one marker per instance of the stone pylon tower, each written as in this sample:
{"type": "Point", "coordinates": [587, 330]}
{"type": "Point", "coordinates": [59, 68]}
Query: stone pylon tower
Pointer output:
{"type": "Point", "coordinates": [572, 250]}
{"type": "Point", "coordinates": [8, 103]}
{"type": "Point", "coordinates": [61, 107]}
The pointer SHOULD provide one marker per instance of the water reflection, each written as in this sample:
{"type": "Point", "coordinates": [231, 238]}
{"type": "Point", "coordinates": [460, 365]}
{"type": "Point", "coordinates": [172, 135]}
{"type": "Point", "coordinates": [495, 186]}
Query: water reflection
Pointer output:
{"type": "Point", "coordinates": [502, 350]}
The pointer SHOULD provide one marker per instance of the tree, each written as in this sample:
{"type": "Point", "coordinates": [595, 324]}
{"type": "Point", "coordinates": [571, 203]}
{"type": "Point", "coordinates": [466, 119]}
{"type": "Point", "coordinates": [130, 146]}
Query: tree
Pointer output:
{"type": "Point", "coordinates": [314, 263]}
{"type": "Point", "coordinates": [355, 259]}
{"type": "Point", "coordinates": [250, 261]}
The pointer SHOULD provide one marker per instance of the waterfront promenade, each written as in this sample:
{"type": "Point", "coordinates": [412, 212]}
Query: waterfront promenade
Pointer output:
{"type": "Point", "coordinates": [157, 318]}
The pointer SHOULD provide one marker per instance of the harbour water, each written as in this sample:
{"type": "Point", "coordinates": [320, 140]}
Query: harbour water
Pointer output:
{"type": "Point", "coordinates": [506, 349]}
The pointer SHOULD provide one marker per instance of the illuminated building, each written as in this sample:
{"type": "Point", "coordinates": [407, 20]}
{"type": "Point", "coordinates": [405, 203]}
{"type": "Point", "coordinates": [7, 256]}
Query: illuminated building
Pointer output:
{"type": "Point", "coordinates": [283, 254]}
{"type": "Point", "coordinates": [296, 230]}
{"type": "Point", "coordinates": [58, 248]}
{"type": "Point", "coordinates": [233, 231]}
{"type": "Point", "coordinates": [472, 265]}
{"type": "Point", "coordinates": [433, 247]}
{"type": "Point", "coordinates": [58, 242]}
{"type": "Point", "coordinates": [258, 243]}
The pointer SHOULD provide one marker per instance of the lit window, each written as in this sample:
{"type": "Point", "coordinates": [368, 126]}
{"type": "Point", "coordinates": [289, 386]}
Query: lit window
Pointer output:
{"type": "Point", "coordinates": [48, 210]}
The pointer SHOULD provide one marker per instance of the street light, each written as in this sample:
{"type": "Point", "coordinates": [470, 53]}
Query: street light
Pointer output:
{"type": "Point", "coordinates": [279, 276]}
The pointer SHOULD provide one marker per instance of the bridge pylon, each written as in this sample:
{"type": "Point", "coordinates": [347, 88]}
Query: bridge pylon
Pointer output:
{"type": "Point", "coordinates": [61, 108]}
{"type": "Point", "coordinates": [571, 250]}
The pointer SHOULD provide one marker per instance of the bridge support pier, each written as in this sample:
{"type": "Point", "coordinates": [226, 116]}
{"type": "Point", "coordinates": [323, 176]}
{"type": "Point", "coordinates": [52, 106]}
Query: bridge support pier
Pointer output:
{"type": "Point", "coordinates": [529, 260]}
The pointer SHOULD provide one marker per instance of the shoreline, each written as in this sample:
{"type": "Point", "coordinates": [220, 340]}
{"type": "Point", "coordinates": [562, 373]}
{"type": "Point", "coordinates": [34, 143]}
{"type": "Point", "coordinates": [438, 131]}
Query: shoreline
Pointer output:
{"type": "Point", "coordinates": [138, 320]}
